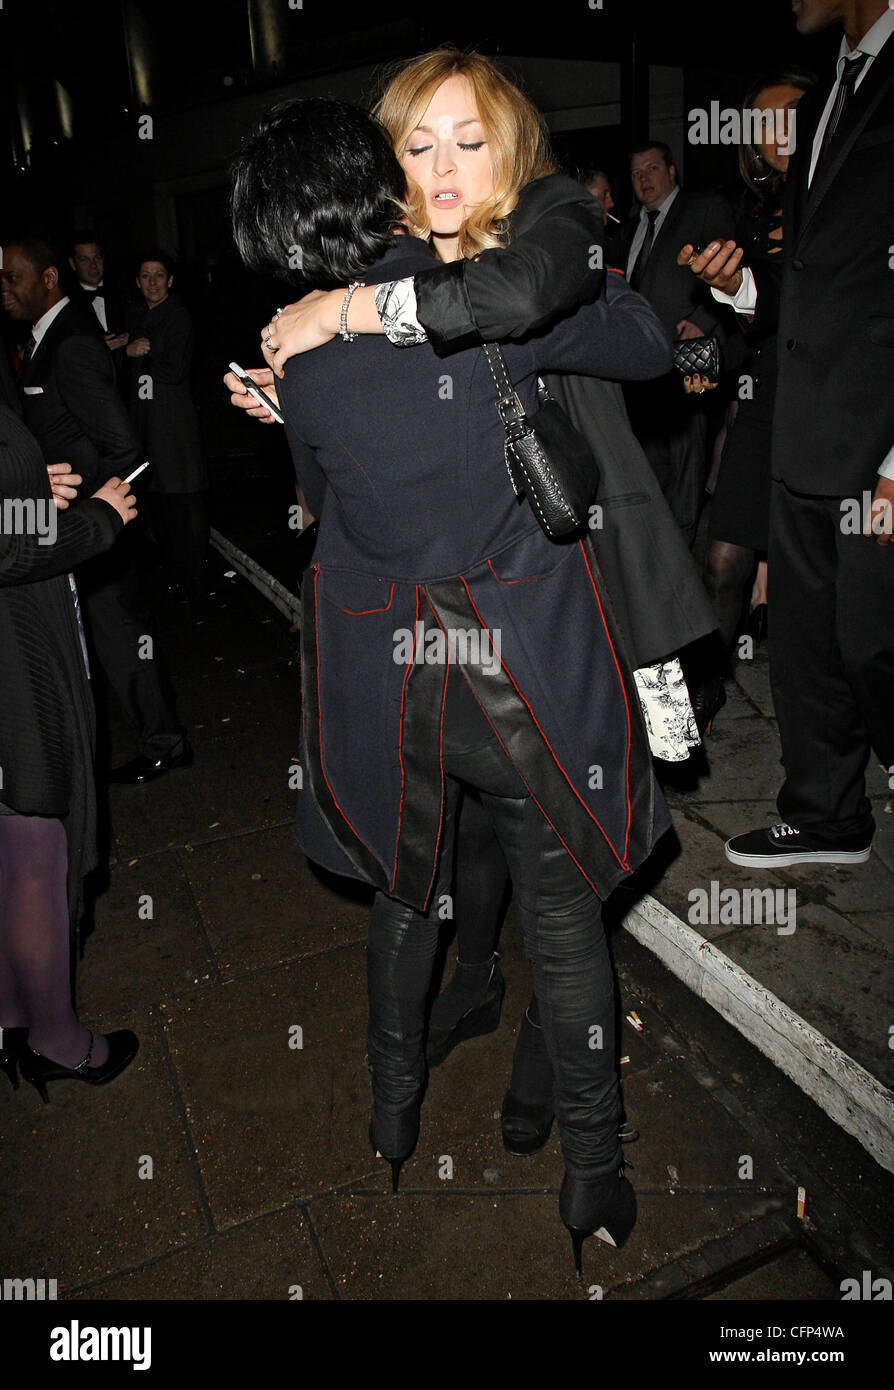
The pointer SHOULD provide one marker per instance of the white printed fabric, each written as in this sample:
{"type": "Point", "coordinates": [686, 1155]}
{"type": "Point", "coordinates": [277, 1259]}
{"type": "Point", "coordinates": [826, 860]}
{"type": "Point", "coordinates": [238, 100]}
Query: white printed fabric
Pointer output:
{"type": "Point", "coordinates": [667, 710]}
{"type": "Point", "coordinates": [396, 303]}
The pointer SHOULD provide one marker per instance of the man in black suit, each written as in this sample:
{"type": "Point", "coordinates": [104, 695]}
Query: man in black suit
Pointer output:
{"type": "Point", "coordinates": [96, 291]}
{"type": "Point", "coordinates": [671, 426]}
{"type": "Point", "coordinates": [96, 294]}
{"type": "Point", "coordinates": [70, 404]}
{"type": "Point", "coordinates": [831, 576]}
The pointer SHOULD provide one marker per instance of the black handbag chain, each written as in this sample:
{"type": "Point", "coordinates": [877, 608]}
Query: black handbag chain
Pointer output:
{"type": "Point", "coordinates": [547, 459]}
{"type": "Point", "coordinates": [510, 410]}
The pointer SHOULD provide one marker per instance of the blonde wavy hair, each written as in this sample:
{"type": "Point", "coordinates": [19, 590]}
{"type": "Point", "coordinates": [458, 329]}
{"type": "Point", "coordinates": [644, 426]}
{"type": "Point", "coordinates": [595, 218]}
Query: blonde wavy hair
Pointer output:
{"type": "Point", "coordinates": [516, 132]}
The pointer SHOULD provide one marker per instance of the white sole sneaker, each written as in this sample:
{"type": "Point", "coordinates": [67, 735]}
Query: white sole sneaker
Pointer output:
{"type": "Point", "coordinates": [804, 856]}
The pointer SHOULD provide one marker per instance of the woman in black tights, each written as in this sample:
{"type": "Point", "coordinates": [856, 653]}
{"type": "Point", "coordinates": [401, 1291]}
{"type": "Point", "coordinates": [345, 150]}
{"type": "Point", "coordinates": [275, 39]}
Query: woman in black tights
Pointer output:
{"type": "Point", "coordinates": [47, 796]}
{"type": "Point", "coordinates": [740, 507]}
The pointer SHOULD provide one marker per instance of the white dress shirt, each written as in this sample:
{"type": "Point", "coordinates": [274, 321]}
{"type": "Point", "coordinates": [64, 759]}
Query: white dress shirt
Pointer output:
{"type": "Point", "coordinates": [99, 303]}
{"type": "Point", "coordinates": [39, 329]}
{"type": "Point", "coordinates": [640, 233]}
{"type": "Point", "coordinates": [744, 301]}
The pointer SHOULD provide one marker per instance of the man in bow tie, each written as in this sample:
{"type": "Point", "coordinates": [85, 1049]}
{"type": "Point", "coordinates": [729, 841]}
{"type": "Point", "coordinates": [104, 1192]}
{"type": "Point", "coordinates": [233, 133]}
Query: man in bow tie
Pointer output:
{"type": "Point", "coordinates": [87, 260]}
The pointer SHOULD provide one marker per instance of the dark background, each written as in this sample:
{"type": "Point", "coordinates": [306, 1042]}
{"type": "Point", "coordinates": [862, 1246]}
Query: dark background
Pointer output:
{"type": "Point", "coordinates": [76, 80]}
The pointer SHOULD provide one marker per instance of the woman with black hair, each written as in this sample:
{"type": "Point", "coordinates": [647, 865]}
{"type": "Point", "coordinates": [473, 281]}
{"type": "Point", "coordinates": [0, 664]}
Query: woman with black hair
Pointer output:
{"type": "Point", "coordinates": [447, 640]}
{"type": "Point", "coordinates": [525, 255]}
{"type": "Point", "coordinates": [740, 508]}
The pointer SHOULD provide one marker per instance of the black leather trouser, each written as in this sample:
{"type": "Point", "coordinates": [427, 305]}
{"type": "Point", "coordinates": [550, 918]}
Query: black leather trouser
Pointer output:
{"type": "Point", "coordinates": [562, 935]}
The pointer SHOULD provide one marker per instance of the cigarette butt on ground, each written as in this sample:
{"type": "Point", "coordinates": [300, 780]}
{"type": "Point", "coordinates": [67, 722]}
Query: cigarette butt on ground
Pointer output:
{"type": "Point", "coordinates": [802, 1198]}
{"type": "Point", "coordinates": [634, 1018]}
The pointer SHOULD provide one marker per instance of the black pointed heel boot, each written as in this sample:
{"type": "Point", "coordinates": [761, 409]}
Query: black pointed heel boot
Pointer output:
{"type": "Point", "coordinates": [394, 1126]}
{"type": "Point", "coordinates": [604, 1208]}
{"type": "Point", "coordinates": [468, 1008]}
{"type": "Point", "coordinates": [10, 1052]}
{"type": "Point", "coordinates": [123, 1047]}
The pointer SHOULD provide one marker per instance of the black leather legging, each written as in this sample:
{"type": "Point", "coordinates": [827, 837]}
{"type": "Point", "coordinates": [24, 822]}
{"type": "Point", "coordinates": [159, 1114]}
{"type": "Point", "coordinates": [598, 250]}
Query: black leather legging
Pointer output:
{"type": "Point", "coordinates": [562, 936]}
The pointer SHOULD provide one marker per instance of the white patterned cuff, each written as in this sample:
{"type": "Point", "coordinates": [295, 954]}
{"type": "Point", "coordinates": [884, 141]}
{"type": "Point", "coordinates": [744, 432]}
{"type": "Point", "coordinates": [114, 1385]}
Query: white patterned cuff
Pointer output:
{"type": "Point", "coordinates": [396, 303]}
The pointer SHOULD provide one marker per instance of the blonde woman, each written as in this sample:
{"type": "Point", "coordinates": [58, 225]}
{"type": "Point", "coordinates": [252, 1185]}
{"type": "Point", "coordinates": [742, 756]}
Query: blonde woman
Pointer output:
{"type": "Point", "coordinates": [419, 529]}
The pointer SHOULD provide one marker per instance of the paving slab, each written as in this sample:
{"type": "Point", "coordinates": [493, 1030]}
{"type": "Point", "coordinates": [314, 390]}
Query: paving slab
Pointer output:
{"type": "Point", "coordinates": [274, 1258]}
{"type": "Point", "coordinates": [273, 1123]}
{"type": "Point", "coordinates": [76, 1205]}
{"type": "Point", "coordinates": [419, 1246]}
{"type": "Point", "coordinates": [262, 903]}
{"type": "Point", "coordinates": [240, 783]}
{"type": "Point", "coordinates": [147, 938]}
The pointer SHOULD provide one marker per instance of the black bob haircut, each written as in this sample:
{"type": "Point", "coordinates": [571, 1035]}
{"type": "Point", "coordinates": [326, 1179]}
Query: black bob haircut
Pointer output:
{"type": "Point", "coordinates": [154, 253]}
{"type": "Point", "coordinates": [314, 192]}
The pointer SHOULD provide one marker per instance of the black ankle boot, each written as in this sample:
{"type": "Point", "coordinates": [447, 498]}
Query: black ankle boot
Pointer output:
{"type": "Point", "coordinates": [604, 1207]}
{"type": "Point", "coordinates": [13, 1045]}
{"type": "Point", "coordinates": [468, 1008]}
{"type": "Point", "coordinates": [394, 1126]}
{"type": "Point", "coordinates": [527, 1114]}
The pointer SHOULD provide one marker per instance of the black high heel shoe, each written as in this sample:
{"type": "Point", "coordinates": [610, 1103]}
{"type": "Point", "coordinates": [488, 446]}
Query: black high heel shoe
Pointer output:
{"type": "Point", "coordinates": [483, 1016]}
{"type": "Point", "coordinates": [396, 1163]}
{"type": "Point", "coordinates": [394, 1135]}
{"type": "Point", "coordinates": [605, 1208]}
{"type": "Point", "coordinates": [123, 1047]}
{"type": "Point", "coordinates": [11, 1051]}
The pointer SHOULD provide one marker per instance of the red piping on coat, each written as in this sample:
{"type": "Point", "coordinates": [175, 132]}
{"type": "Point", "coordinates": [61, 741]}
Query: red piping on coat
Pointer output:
{"type": "Point", "coordinates": [566, 847]}
{"type": "Point", "coordinates": [322, 764]}
{"type": "Point", "coordinates": [361, 612]}
{"type": "Point", "coordinates": [623, 692]}
{"type": "Point", "coordinates": [400, 743]}
{"type": "Point", "coordinates": [622, 862]}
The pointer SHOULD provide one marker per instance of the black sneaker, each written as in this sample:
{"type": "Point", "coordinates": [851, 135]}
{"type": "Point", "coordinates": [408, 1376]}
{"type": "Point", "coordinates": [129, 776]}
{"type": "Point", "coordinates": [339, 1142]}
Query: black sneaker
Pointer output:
{"type": "Point", "coordinates": [777, 846]}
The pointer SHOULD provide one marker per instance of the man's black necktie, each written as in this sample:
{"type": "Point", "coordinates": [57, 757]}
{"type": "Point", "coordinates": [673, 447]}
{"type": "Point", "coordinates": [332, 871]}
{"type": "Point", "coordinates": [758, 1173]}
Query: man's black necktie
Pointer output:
{"type": "Point", "coordinates": [843, 98]}
{"type": "Point", "coordinates": [29, 349]}
{"type": "Point", "coordinates": [645, 251]}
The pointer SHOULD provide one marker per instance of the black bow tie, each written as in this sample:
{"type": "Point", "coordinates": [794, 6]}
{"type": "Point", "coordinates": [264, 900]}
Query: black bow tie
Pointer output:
{"type": "Point", "coordinates": [93, 292]}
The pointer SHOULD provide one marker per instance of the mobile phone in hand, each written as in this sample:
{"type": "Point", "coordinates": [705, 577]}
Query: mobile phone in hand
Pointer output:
{"type": "Point", "coordinates": [260, 396]}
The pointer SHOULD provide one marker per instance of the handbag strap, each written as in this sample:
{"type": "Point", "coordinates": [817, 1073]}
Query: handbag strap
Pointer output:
{"type": "Point", "coordinates": [509, 407]}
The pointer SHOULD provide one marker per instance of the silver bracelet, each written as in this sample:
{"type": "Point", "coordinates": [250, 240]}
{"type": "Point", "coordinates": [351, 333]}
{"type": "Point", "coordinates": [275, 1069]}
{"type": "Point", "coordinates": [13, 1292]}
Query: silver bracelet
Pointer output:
{"type": "Point", "coordinates": [346, 336]}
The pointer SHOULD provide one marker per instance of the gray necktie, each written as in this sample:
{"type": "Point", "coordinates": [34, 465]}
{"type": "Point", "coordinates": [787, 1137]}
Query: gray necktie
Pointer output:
{"type": "Point", "coordinates": [844, 96]}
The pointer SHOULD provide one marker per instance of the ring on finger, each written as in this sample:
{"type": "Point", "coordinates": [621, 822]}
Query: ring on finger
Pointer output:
{"type": "Point", "coordinates": [268, 343]}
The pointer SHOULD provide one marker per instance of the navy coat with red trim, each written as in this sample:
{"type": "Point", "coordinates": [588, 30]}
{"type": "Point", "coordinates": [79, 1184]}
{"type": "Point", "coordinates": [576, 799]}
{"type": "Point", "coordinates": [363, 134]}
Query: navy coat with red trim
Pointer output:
{"type": "Point", "coordinates": [420, 533]}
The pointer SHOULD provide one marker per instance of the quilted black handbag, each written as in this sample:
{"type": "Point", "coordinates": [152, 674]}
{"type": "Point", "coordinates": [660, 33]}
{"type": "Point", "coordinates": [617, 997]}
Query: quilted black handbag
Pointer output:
{"type": "Point", "coordinates": [547, 459]}
{"type": "Point", "coordinates": [699, 356]}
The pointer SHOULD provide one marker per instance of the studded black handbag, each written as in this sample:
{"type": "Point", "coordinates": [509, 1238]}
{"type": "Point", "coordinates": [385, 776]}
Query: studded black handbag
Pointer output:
{"type": "Point", "coordinates": [547, 459]}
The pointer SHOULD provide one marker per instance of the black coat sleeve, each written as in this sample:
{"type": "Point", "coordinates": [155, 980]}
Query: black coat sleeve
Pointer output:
{"type": "Point", "coordinates": [552, 264]}
{"type": "Point", "coordinates": [81, 533]}
{"type": "Point", "coordinates": [620, 338]}
{"type": "Point", "coordinates": [172, 346]}
{"type": "Point", "coordinates": [86, 384]}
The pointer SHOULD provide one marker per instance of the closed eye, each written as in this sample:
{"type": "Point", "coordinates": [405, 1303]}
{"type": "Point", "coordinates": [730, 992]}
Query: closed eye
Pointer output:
{"type": "Point", "coordinates": [420, 149]}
